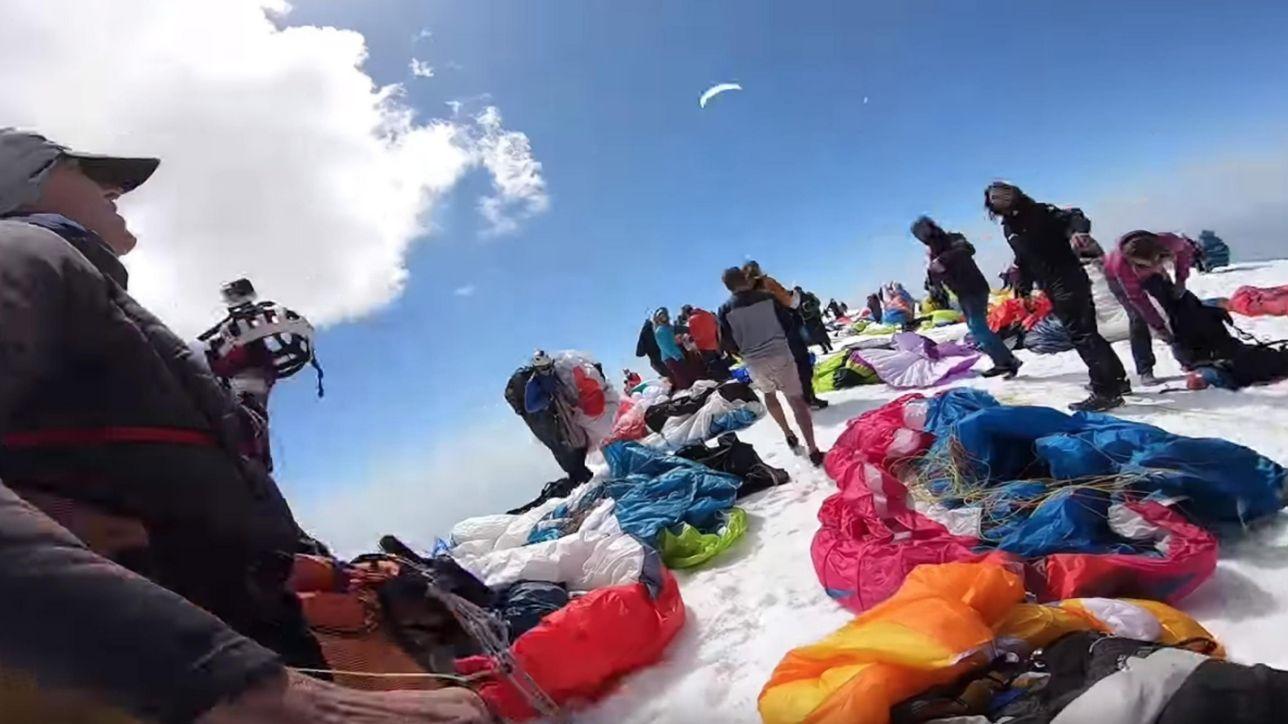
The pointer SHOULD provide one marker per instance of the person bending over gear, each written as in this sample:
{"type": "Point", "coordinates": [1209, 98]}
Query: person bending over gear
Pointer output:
{"type": "Point", "coordinates": [143, 556]}
{"type": "Point", "coordinates": [1039, 234]}
{"type": "Point", "coordinates": [535, 394]}
{"type": "Point", "coordinates": [754, 326]}
{"type": "Point", "coordinates": [1200, 340]}
{"type": "Point", "coordinates": [761, 281]}
{"type": "Point", "coordinates": [952, 265]}
{"type": "Point", "coordinates": [1094, 259]}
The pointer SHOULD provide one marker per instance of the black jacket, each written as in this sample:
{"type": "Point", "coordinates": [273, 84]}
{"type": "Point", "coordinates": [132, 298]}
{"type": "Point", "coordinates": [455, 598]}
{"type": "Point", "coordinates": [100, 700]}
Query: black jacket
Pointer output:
{"type": "Point", "coordinates": [1039, 234]}
{"type": "Point", "coordinates": [81, 362]}
{"type": "Point", "coordinates": [952, 265]}
{"type": "Point", "coordinates": [647, 344]}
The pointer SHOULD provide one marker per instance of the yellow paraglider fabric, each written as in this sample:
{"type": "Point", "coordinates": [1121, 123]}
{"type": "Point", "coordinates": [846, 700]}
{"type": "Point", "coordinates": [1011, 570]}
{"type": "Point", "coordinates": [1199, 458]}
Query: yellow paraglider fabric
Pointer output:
{"type": "Point", "coordinates": [943, 622]}
{"type": "Point", "coordinates": [935, 628]}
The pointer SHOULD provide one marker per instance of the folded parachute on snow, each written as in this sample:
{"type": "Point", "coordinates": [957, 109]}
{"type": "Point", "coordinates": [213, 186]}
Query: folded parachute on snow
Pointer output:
{"type": "Point", "coordinates": [944, 621]}
{"type": "Point", "coordinates": [841, 371]}
{"type": "Point", "coordinates": [1259, 301]}
{"type": "Point", "coordinates": [917, 361]}
{"type": "Point", "coordinates": [627, 614]}
{"type": "Point", "coordinates": [579, 652]}
{"type": "Point", "coordinates": [1092, 505]}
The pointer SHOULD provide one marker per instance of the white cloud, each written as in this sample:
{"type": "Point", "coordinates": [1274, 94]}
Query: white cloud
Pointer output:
{"type": "Point", "coordinates": [421, 68]}
{"type": "Point", "coordinates": [516, 175]}
{"type": "Point", "coordinates": [484, 469]}
{"type": "Point", "coordinates": [281, 159]}
{"type": "Point", "coordinates": [465, 291]}
{"type": "Point", "coordinates": [1242, 195]}
{"type": "Point", "coordinates": [424, 34]}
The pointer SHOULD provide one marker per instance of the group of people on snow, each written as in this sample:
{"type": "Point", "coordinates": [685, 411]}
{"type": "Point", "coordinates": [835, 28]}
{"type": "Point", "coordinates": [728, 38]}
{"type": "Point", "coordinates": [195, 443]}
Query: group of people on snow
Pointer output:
{"type": "Point", "coordinates": [1054, 250]}
{"type": "Point", "coordinates": [683, 351]}
{"type": "Point", "coordinates": [145, 548]}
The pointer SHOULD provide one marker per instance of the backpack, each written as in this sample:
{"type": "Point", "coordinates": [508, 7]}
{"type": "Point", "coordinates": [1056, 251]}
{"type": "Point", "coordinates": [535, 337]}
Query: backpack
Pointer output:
{"type": "Point", "coordinates": [1074, 220]}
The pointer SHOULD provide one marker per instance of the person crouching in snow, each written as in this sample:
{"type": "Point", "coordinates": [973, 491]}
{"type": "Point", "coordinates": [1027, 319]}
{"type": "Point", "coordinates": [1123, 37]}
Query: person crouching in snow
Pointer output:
{"type": "Point", "coordinates": [951, 265]}
{"type": "Point", "coordinates": [677, 365]}
{"type": "Point", "coordinates": [754, 326]}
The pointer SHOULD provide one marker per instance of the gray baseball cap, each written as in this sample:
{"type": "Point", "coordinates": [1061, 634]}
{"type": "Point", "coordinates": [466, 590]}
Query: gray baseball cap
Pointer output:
{"type": "Point", "coordinates": [26, 158]}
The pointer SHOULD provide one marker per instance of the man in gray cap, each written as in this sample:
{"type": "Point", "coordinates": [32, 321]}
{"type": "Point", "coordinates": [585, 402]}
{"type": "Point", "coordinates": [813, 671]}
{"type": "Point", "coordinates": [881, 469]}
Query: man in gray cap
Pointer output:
{"type": "Point", "coordinates": [121, 470]}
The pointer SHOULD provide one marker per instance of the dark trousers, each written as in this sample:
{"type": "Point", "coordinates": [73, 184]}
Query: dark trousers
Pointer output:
{"type": "Point", "coordinates": [659, 366]}
{"type": "Point", "coordinates": [679, 374]}
{"type": "Point", "coordinates": [1142, 343]}
{"type": "Point", "coordinates": [573, 462]}
{"type": "Point", "coordinates": [716, 365]}
{"type": "Point", "coordinates": [1072, 304]}
{"type": "Point", "coordinates": [800, 354]}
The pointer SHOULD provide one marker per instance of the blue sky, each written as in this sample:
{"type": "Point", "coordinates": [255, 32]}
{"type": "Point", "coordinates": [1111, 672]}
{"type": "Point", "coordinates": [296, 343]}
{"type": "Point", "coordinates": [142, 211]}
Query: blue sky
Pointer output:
{"type": "Point", "coordinates": [650, 197]}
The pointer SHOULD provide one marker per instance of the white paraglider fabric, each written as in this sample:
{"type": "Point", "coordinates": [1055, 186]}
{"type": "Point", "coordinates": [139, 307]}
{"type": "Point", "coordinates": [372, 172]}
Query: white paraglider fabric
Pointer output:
{"type": "Point", "coordinates": [716, 90]}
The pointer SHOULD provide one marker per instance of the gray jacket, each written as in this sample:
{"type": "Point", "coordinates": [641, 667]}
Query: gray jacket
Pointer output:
{"type": "Point", "coordinates": [754, 326]}
{"type": "Point", "coordinates": [102, 406]}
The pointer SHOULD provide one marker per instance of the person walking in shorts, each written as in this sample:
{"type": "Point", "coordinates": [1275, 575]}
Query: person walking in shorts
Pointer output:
{"type": "Point", "coordinates": [756, 327]}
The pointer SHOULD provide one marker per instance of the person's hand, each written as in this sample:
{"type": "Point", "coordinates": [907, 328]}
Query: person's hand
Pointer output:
{"type": "Point", "coordinates": [298, 699]}
{"type": "Point", "coordinates": [1165, 335]}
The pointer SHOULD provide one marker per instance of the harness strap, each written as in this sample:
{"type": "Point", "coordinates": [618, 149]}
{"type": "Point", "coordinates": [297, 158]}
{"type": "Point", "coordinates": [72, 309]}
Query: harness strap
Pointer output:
{"type": "Point", "coordinates": [66, 437]}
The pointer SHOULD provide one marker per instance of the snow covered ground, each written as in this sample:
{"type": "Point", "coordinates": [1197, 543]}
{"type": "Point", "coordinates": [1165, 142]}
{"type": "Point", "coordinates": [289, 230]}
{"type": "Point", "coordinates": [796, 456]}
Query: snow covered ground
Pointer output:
{"type": "Point", "coordinates": [747, 608]}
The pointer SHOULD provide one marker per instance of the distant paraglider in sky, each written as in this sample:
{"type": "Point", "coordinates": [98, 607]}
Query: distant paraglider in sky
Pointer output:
{"type": "Point", "coordinates": [716, 90]}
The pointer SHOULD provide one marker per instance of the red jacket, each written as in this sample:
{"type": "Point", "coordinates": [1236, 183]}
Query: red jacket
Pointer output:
{"type": "Point", "coordinates": [705, 330]}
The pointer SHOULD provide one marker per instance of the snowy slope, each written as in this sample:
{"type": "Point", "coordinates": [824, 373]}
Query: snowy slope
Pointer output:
{"type": "Point", "coordinates": [762, 598]}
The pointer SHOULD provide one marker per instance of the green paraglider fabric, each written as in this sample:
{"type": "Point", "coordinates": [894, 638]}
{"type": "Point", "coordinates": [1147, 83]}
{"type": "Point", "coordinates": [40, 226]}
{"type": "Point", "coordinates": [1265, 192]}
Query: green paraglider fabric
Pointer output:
{"type": "Point", "coordinates": [691, 547]}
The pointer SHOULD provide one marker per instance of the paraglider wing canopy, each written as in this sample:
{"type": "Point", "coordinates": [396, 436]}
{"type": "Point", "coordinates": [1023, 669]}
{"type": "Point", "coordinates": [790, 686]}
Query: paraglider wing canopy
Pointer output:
{"type": "Point", "coordinates": [716, 90]}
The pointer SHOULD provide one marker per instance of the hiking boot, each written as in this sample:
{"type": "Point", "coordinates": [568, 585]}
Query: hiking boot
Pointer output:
{"type": "Point", "coordinates": [816, 458]}
{"type": "Point", "coordinates": [1124, 387]}
{"type": "Point", "coordinates": [1006, 372]}
{"type": "Point", "coordinates": [793, 443]}
{"type": "Point", "coordinates": [1097, 403]}
{"type": "Point", "coordinates": [817, 404]}
{"type": "Point", "coordinates": [1147, 379]}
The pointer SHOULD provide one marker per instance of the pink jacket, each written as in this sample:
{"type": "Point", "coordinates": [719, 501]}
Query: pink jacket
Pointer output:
{"type": "Point", "coordinates": [1126, 279]}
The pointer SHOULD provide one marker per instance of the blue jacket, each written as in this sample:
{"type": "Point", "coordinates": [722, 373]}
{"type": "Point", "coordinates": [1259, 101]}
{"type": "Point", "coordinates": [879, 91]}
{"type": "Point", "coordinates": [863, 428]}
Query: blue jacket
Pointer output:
{"type": "Point", "coordinates": [670, 348]}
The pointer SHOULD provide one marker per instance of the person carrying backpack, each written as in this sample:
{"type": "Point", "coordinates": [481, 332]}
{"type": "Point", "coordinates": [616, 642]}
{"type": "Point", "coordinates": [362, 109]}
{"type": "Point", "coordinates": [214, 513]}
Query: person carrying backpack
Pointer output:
{"type": "Point", "coordinates": [815, 331]}
{"type": "Point", "coordinates": [1039, 234]}
{"type": "Point", "coordinates": [952, 265]}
